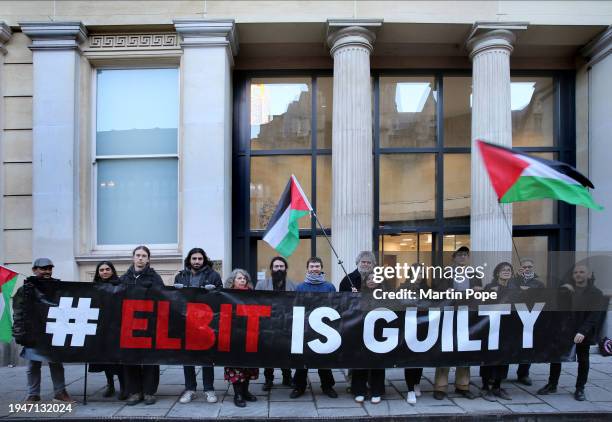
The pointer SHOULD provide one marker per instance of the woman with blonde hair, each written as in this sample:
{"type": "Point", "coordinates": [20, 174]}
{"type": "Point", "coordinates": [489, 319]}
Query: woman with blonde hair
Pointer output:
{"type": "Point", "coordinates": [239, 377]}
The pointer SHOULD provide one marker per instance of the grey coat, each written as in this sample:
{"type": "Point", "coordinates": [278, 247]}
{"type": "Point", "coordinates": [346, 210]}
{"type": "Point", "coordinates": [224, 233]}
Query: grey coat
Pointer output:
{"type": "Point", "coordinates": [267, 285]}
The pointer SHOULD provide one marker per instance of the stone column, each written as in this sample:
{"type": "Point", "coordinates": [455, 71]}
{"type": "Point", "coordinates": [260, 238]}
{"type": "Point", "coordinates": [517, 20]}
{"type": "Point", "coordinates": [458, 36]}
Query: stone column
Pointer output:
{"type": "Point", "coordinates": [490, 46]}
{"type": "Point", "coordinates": [55, 47]}
{"type": "Point", "coordinates": [209, 47]}
{"type": "Point", "coordinates": [351, 43]}
{"type": "Point", "coordinates": [5, 35]}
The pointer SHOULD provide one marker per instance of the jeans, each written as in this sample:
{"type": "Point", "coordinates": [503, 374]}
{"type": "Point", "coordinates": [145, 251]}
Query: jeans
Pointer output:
{"type": "Point", "coordinates": [33, 373]}
{"type": "Point", "coordinates": [326, 376]}
{"type": "Point", "coordinates": [141, 379]}
{"type": "Point", "coordinates": [523, 370]}
{"type": "Point", "coordinates": [582, 355]}
{"type": "Point", "coordinates": [374, 377]}
{"type": "Point", "coordinates": [413, 377]}
{"type": "Point", "coordinates": [269, 373]}
{"type": "Point", "coordinates": [208, 378]}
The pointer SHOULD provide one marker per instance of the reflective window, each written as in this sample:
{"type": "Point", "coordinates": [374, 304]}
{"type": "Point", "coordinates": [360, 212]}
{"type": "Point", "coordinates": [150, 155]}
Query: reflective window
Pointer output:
{"type": "Point", "coordinates": [407, 112]}
{"type": "Point", "coordinates": [532, 104]}
{"type": "Point", "coordinates": [409, 248]}
{"type": "Point", "coordinates": [457, 111]}
{"type": "Point", "coordinates": [457, 188]}
{"type": "Point", "coordinates": [325, 98]}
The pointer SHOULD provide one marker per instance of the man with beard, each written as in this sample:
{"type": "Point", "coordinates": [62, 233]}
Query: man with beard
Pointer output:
{"type": "Point", "coordinates": [278, 282]}
{"type": "Point", "coordinates": [365, 262]}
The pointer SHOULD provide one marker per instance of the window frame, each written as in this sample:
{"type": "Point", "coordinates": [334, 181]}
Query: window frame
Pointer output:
{"type": "Point", "coordinates": [95, 247]}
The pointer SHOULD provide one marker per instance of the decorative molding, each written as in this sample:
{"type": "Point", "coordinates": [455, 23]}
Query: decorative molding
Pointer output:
{"type": "Point", "coordinates": [598, 48]}
{"type": "Point", "coordinates": [208, 33]}
{"type": "Point", "coordinates": [54, 35]}
{"type": "Point", "coordinates": [132, 41]}
{"type": "Point", "coordinates": [493, 35]}
{"type": "Point", "coordinates": [352, 33]}
{"type": "Point", "coordinates": [5, 35]}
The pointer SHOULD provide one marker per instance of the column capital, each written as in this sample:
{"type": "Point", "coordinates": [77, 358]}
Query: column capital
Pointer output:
{"type": "Point", "coordinates": [598, 48]}
{"type": "Point", "coordinates": [352, 32]}
{"type": "Point", "coordinates": [493, 35]}
{"type": "Point", "coordinates": [208, 33]}
{"type": "Point", "coordinates": [54, 35]}
{"type": "Point", "coordinates": [5, 35]}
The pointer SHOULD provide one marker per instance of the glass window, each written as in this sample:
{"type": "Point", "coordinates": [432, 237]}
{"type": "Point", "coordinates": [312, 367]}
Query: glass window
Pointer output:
{"type": "Point", "coordinates": [407, 188]}
{"type": "Point", "coordinates": [136, 156]}
{"type": "Point", "coordinates": [325, 97]}
{"type": "Point", "coordinates": [457, 188]}
{"type": "Point", "coordinates": [269, 176]}
{"type": "Point", "coordinates": [457, 111]}
{"type": "Point", "coordinates": [532, 104]}
{"type": "Point", "coordinates": [407, 112]}
{"type": "Point", "coordinates": [281, 113]}
{"type": "Point", "coordinates": [409, 248]}
{"type": "Point", "coordinates": [324, 189]}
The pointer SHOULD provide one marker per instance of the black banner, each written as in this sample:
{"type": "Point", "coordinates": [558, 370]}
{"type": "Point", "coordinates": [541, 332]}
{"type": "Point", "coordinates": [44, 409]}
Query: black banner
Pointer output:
{"type": "Point", "coordinates": [87, 322]}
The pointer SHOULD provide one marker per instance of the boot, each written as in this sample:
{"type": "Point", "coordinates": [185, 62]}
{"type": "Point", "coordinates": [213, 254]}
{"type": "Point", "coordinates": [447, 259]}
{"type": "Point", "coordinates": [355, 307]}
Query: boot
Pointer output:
{"type": "Point", "coordinates": [109, 391]}
{"type": "Point", "coordinates": [238, 398]}
{"type": "Point", "coordinates": [245, 392]}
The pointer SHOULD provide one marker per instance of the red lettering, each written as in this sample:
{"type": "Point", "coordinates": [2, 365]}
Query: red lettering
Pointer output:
{"type": "Point", "coordinates": [198, 334]}
{"type": "Point", "coordinates": [253, 313]}
{"type": "Point", "coordinates": [129, 324]}
{"type": "Point", "coordinates": [225, 328]}
{"type": "Point", "coordinates": [162, 341]}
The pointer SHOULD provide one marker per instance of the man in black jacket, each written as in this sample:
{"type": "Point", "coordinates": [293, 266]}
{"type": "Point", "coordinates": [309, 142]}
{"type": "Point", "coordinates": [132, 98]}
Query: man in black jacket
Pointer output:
{"type": "Point", "coordinates": [198, 273]}
{"type": "Point", "coordinates": [365, 262]}
{"type": "Point", "coordinates": [588, 305]}
{"type": "Point", "coordinates": [43, 272]}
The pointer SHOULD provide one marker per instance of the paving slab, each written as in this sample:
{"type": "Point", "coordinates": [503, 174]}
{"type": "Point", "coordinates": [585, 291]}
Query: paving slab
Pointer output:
{"type": "Point", "coordinates": [286, 410]}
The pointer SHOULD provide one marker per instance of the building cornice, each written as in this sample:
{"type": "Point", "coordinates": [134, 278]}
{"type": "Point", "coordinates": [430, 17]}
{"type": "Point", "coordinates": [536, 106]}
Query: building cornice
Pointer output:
{"type": "Point", "coordinates": [54, 35]}
{"type": "Point", "coordinates": [493, 35]}
{"type": "Point", "coordinates": [598, 48]}
{"type": "Point", "coordinates": [5, 35]}
{"type": "Point", "coordinates": [352, 32]}
{"type": "Point", "coordinates": [208, 33]}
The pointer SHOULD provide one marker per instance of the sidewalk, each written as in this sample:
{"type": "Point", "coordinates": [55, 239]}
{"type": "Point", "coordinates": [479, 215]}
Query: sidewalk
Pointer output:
{"type": "Point", "coordinates": [277, 403]}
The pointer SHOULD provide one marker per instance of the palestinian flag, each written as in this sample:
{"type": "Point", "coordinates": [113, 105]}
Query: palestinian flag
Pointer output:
{"type": "Point", "coordinates": [7, 283]}
{"type": "Point", "coordinates": [282, 232]}
{"type": "Point", "coordinates": [516, 177]}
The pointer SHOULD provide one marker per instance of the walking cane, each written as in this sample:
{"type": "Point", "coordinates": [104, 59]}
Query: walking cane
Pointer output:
{"type": "Point", "coordinates": [85, 387]}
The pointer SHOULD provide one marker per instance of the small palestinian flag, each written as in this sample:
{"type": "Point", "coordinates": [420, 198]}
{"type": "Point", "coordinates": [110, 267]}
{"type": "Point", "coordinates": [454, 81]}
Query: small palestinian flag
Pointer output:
{"type": "Point", "coordinates": [7, 283]}
{"type": "Point", "coordinates": [282, 232]}
{"type": "Point", "coordinates": [517, 177]}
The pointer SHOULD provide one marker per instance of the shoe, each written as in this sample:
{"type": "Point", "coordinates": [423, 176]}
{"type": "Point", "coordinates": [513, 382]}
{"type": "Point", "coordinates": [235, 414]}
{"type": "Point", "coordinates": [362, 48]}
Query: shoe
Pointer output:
{"type": "Point", "coordinates": [349, 390]}
{"type": "Point", "coordinates": [109, 391]}
{"type": "Point", "coordinates": [547, 389]}
{"type": "Point", "coordinates": [245, 392]}
{"type": "Point", "coordinates": [122, 395]}
{"type": "Point", "coordinates": [525, 381]}
{"type": "Point", "coordinates": [297, 392]}
{"type": "Point", "coordinates": [149, 399]}
{"type": "Point", "coordinates": [63, 397]}
{"type": "Point", "coordinates": [187, 396]}
{"type": "Point", "coordinates": [267, 385]}
{"type": "Point", "coordinates": [417, 390]}
{"type": "Point", "coordinates": [211, 397]}
{"type": "Point", "coordinates": [359, 399]}
{"type": "Point", "coordinates": [375, 399]}
{"type": "Point", "coordinates": [439, 395]}
{"type": "Point", "coordinates": [465, 393]}
{"type": "Point", "coordinates": [330, 392]}
{"type": "Point", "coordinates": [579, 394]}
{"type": "Point", "coordinates": [488, 395]}
{"type": "Point", "coordinates": [287, 381]}
{"type": "Point", "coordinates": [33, 398]}
{"type": "Point", "coordinates": [238, 399]}
{"type": "Point", "coordinates": [411, 397]}
{"type": "Point", "coordinates": [501, 393]}
{"type": "Point", "coordinates": [133, 399]}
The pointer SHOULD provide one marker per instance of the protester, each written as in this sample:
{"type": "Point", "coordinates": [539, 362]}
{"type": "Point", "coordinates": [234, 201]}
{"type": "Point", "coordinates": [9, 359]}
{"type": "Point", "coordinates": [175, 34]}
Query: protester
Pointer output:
{"type": "Point", "coordinates": [462, 374]}
{"type": "Point", "coordinates": [198, 273]}
{"type": "Point", "coordinates": [314, 282]}
{"type": "Point", "coordinates": [588, 304]}
{"type": "Point", "coordinates": [240, 377]}
{"type": "Point", "coordinates": [106, 273]}
{"type": "Point", "coordinates": [413, 376]}
{"type": "Point", "coordinates": [526, 279]}
{"type": "Point", "coordinates": [277, 282]}
{"type": "Point", "coordinates": [43, 272]}
{"type": "Point", "coordinates": [492, 375]}
{"type": "Point", "coordinates": [141, 380]}
{"type": "Point", "coordinates": [365, 262]}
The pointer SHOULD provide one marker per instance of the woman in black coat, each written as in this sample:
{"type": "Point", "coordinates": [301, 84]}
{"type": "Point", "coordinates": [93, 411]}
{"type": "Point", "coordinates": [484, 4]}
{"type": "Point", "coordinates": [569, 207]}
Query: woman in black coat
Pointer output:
{"type": "Point", "coordinates": [141, 380]}
{"type": "Point", "coordinates": [106, 273]}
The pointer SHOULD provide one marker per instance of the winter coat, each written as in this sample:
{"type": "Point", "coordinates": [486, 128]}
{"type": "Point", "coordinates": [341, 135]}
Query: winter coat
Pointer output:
{"type": "Point", "coordinates": [206, 276]}
{"type": "Point", "coordinates": [590, 310]}
{"type": "Point", "coordinates": [355, 278]}
{"type": "Point", "coordinates": [534, 283]}
{"type": "Point", "coordinates": [146, 278]}
{"type": "Point", "coordinates": [267, 284]}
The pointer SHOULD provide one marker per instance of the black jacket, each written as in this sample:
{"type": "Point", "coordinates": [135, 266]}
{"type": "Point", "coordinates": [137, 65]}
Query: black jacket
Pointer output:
{"type": "Point", "coordinates": [22, 302]}
{"type": "Point", "coordinates": [590, 310]}
{"type": "Point", "coordinates": [533, 283]}
{"type": "Point", "coordinates": [206, 276]}
{"type": "Point", "coordinates": [345, 284]}
{"type": "Point", "coordinates": [447, 283]}
{"type": "Point", "coordinates": [147, 278]}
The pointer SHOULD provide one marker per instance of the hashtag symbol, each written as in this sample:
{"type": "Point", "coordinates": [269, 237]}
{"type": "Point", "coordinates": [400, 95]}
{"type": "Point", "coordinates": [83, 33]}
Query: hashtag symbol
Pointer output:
{"type": "Point", "coordinates": [71, 320]}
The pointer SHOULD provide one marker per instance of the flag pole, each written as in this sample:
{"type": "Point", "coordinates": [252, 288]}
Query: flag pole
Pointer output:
{"type": "Point", "coordinates": [510, 230]}
{"type": "Point", "coordinates": [332, 247]}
